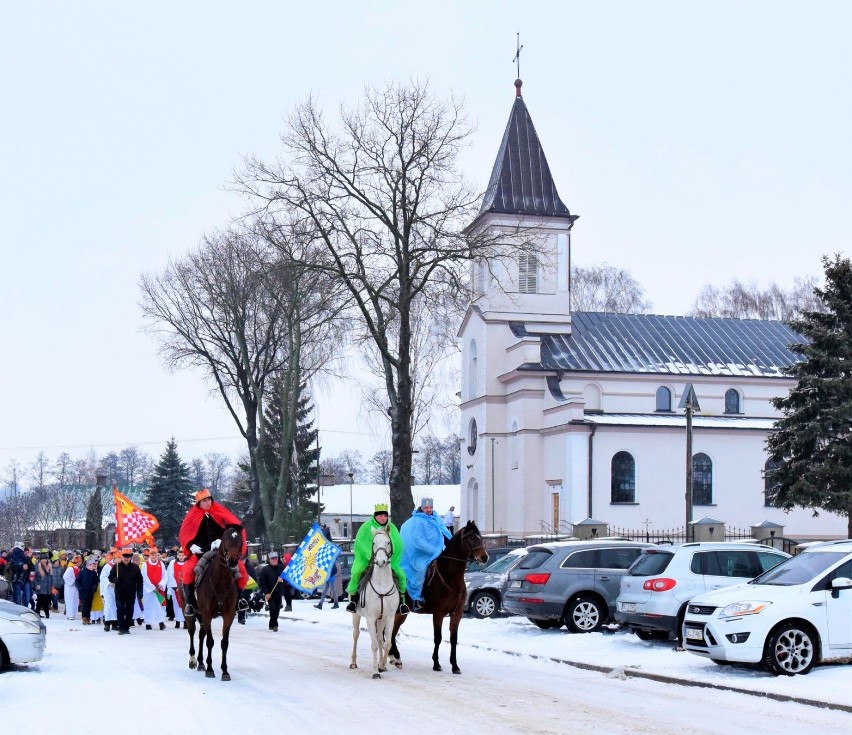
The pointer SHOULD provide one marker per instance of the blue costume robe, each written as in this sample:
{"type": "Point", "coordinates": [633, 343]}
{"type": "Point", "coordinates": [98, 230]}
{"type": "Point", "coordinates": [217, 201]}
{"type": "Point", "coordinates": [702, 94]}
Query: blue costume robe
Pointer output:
{"type": "Point", "coordinates": [422, 541]}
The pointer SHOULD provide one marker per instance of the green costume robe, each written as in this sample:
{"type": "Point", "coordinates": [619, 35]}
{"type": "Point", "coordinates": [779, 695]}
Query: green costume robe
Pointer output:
{"type": "Point", "coordinates": [363, 547]}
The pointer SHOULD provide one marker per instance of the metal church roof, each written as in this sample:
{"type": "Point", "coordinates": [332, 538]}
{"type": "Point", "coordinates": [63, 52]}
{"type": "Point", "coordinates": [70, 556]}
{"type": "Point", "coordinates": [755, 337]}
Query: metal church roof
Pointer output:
{"type": "Point", "coordinates": [520, 181]}
{"type": "Point", "coordinates": [678, 345]}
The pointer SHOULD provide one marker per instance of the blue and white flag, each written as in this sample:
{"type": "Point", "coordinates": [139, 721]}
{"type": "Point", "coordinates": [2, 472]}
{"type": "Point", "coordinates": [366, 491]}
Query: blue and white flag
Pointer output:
{"type": "Point", "coordinates": [313, 562]}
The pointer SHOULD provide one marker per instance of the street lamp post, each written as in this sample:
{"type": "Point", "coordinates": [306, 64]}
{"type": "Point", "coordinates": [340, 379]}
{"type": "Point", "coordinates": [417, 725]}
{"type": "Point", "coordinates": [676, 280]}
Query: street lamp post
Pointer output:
{"type": "Point", "coordinates": [688, 402]}
{"type": "Point", "coordinates": [351, 534]}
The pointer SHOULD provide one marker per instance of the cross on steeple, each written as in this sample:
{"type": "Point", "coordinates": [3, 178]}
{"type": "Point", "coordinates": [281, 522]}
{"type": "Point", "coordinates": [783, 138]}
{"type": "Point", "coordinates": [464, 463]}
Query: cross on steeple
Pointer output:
{"type": "Point", "coordinates": [517, 59]}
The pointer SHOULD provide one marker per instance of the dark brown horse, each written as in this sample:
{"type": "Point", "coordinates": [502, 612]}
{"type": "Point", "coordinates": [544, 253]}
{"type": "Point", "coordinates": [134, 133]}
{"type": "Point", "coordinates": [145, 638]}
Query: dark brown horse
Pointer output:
{"type": "Point", "coordinates": [444, 591]}
{"type": "Point", "coordinates": [216, 593]}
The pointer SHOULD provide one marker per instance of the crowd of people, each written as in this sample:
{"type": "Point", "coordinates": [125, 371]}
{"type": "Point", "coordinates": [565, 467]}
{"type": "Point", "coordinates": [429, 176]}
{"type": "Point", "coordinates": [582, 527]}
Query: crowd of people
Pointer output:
{"type": "Point", "coordinates": [141, 586]}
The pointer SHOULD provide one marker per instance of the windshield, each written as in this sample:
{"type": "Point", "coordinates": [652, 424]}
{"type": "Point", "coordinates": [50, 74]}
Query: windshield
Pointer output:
{"type": "Point", "coordinates": [799, 569]}
{"type": "Point", "coordinates": [650, 563]}
{"type": "Point", "coordinates": [501, 565]}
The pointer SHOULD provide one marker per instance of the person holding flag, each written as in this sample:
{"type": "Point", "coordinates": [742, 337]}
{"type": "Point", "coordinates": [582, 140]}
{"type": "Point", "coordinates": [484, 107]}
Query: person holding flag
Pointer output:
{"type": "Point", "coordinates": [201, 530]}
{"type": "Point", "coordinates": [154, 590]}
{"type": "Point", "coordinates": [127, 581]}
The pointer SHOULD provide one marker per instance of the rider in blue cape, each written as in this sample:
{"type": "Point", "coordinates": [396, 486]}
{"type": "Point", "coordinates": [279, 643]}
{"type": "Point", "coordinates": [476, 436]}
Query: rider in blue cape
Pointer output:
{"type": "Point", "coordinates": [423, 538]}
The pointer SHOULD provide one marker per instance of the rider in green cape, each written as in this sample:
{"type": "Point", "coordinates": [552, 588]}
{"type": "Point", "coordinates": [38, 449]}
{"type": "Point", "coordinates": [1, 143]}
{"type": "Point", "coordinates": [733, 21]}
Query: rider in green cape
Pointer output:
{"type": "Point", "coordinates": [363, 548]}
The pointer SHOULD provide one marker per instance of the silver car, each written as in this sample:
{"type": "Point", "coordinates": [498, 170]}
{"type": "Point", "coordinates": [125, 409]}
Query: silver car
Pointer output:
{"type": "Point", "coordinates": [573, 583]}
{"type": "Point", "coordinates": [22, 635]}
{"type": "Point", "coordinates": [485, 588]}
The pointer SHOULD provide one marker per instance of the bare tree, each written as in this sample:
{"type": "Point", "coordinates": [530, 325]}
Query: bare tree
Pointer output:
{"type": "Point", "coordinates": [607, 288]}
{"type": "Point", "coordinates": [380, 466]}
{"type": "Point", "coordinates": [382, 195]}
{"type": "Point", "coordinates": [741, 300]}
{"type": "Point", "coordinates": [39, 471]}
{"type": "Point", "coordinates": [216, 470]}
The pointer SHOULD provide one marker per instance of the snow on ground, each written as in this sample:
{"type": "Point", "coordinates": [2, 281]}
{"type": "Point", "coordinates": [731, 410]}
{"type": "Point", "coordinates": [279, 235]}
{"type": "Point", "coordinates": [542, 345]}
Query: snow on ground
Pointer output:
{"type": "Point", "coordinates": [299, 679]}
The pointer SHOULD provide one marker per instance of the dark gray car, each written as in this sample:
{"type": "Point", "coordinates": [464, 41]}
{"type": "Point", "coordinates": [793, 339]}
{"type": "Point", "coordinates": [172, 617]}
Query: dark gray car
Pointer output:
{"type": "Point", "coordinates": [573, 583]}
{"type": "Point", "coordinates": [485, 588]}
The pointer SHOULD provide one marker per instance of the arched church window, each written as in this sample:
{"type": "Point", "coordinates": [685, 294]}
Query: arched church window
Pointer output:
{"type": "Point", "coordinates": [623, 478]}
{"type": "Point", "coordinates": [472, 437]}
{"type": "Point", "coordinates": [528, 273]}
{"type": "Point", "coordinates": [732, 401]}
{"type": "Point", "coordinates": [472, 372]}
{"type": "Point", "coordinates": [702, 479]}
{"type": "Point", "coordinates": [664, 399]}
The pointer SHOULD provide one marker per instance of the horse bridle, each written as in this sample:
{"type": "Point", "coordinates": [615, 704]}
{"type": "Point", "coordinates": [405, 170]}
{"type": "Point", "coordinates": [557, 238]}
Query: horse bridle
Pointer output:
{"type": "Point", "coordinates": [465, 532]}
{"type": "Point", "coordinates": [382, 595]}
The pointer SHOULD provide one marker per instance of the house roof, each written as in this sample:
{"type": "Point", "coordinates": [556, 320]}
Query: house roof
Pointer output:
{"type": "Point", "coordinates": [520, 181]}
{"type": "Point", "coordinates": [679, 345]}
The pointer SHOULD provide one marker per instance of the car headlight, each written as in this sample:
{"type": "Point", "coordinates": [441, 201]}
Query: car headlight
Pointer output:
{"type": "Point", "coordinates": [28, 625]}
{"type": "Point", "coordinates": [747, 607]}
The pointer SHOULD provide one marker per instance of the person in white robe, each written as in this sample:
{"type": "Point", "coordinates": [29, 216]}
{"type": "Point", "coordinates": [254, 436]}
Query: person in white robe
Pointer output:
{"type": "Point", "coordinates": [154, 591]}
{"type": "Point", "coordinates": [108, 595]}
{"type": "Point", "coordinates": [72, 594]}
{"type": "Point", "coordinates": [172, 578]}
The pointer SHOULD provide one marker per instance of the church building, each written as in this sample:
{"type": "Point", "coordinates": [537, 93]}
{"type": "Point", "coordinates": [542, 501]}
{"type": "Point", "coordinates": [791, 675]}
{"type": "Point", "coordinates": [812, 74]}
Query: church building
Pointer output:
{"type": "Point", "coordinates": [571, 417]}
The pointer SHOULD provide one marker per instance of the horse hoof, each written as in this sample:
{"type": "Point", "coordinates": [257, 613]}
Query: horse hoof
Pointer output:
{"type": "Point", "coordinates": [382, 671]}
{"type": "Point", "coordinates": [398, 664]}
{"type": "Point", "coordinates": [210, 674]}
{"type": "Point", "coordinates": [436, 668]}
{"type": "Point", "coordinates": [457, 671]}
{"type": "Point", "coordinates": [226, 677]}
{"type": "Point", "coordinates": [377, 676]}
{"type": "Point", "coordinates": [192, 664]}
{"type": "Point", "coordinates": [353, 666]}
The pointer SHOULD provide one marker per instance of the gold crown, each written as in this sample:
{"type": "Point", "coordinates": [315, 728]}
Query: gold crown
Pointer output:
{"type": "Point", "coordinates": [381, 508]}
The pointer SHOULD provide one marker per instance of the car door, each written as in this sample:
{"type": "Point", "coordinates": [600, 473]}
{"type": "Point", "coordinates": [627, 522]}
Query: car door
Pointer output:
{"type": "Point", "coordinates": [839, 610]}
{"type": "Point", "coordinates": [612, 563]}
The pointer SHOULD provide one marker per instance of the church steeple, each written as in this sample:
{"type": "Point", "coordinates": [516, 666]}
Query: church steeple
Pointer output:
{"type": "Point", "coordinates": [520, 182]}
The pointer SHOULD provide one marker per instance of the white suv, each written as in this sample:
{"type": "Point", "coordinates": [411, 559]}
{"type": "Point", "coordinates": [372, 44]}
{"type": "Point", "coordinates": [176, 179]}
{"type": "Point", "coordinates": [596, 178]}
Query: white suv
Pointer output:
{"type": "Point", "coordinates": [789, 618]}
{"type": "Point", "coordinates": [657, 587]}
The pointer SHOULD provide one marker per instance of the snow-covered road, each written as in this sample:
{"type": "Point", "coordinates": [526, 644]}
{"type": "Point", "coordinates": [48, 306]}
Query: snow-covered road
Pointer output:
{"type": "Point", "coordinates": [299, 679]}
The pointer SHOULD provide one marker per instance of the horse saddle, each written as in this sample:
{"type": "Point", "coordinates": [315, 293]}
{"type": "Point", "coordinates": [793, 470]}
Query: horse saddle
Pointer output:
{"type": "Point", "coordinates": [203, 564]}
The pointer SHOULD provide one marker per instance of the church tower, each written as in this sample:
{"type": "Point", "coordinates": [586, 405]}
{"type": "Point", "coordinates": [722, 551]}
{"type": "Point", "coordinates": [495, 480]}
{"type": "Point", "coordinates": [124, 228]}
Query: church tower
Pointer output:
{"type": "Point", "coordinates": [518, 299]}
{"type": "Point", "coordinates": [522, 202]}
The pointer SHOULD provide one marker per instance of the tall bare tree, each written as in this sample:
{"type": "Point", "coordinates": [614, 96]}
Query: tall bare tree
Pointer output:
{"type": "Point", "coordinates": [741, 300]}
{"type": "Point", "coordinates": [381, 193]}
{"type": "Point", "coordinates": [607, 288]}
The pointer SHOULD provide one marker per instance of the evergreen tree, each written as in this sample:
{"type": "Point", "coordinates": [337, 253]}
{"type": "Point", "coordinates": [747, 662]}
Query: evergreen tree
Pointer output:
{"type": "Point", "coordinates": [307, 459]}
{"type": "Point", "coordinates": [94, 520]}
{"type": "Point", "coordinates": [169, 493]}
{"type": "Point", "coordinates": [811, 452]}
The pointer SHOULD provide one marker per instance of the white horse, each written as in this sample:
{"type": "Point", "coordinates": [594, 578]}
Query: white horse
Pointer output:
{"type": "Point", "coordinates": [377, 604]}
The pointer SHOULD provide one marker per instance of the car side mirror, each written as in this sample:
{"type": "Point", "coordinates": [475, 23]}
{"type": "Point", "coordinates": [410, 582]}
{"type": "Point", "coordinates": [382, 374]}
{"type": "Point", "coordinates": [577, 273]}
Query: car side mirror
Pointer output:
{"type": "Point", "coordinates": [840, 583]}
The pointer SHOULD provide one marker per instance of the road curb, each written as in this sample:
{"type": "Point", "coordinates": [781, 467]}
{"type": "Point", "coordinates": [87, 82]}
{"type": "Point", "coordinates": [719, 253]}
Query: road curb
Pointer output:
{"type": "Point", "coordinates": [663, 679]}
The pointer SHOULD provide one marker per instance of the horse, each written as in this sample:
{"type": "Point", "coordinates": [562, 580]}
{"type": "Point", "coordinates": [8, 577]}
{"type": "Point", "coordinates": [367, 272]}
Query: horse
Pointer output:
{"type": "Point", "coordinates": [216, 594]}
{"type": "Point", "coordinates": [444, 591]}
{"type": "Point", "coordinates": [377, 604]}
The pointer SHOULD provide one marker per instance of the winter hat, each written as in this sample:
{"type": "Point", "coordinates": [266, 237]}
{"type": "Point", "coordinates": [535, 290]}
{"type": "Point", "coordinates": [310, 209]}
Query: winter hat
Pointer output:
{"type": "Point", "coordinates": [91, 560]}
{"type": "Point", "coordinates": [272, 555]}
{"type": "Point", "coordinates": [19, 544]}
{"type": "Point", "coordinates": [202, 494]}
{"type": "Point", "coordinates": [426, 502]}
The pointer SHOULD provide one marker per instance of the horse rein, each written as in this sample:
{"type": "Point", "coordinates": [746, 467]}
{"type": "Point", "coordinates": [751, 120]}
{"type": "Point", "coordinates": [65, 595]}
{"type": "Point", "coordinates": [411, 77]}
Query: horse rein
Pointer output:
{"type": "Point", "coordinates": [393, 587]}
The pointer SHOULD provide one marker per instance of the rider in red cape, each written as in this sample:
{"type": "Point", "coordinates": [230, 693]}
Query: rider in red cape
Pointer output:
{"type": "Point", "coordinates": [204, 524]}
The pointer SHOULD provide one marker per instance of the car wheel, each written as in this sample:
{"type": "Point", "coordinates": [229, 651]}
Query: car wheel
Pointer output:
{"type": "Point", "coordinates": [790, 649]}
{"type": "Point", "coordinates": [484, 605]}
{"type": "Point", "coordinates": [545, 624]}
{"type": "Point", "coordinates": [584, 615]}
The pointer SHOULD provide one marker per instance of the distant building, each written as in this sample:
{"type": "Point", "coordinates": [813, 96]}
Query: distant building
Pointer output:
{"type": "Point", "coordinates": [573, 416]}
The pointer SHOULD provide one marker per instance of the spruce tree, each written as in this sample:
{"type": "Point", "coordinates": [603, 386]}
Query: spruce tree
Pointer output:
{"type": "Point", "coordinates": [169, 493]}
{"type": "Point", "coordinates": [811, 451]}
{"type": "Point", "coordinates": [307, 459]}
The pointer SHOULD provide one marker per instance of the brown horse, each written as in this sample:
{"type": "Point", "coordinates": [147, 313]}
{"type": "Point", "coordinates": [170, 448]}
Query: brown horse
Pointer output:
{"type": "Point", "coordinates": [444, 591]}
{"type": "Point", "coordinates": [216, 593]}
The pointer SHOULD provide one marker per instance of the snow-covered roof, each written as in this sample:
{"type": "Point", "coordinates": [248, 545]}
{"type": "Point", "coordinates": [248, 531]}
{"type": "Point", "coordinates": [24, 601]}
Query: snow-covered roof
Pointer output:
{"type": "Point", "coordinates": [679, 421]}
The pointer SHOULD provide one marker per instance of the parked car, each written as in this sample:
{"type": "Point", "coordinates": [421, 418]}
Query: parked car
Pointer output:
{"type": "Point", "coordinates": [23, 635]}
{"type": "Point", "coordinates": [789, 618]}
{"type": "Point", "coordinates": [494, 554]}
{"type": "Point", "coordinates": [485, 588]}
{"type": "Point", "coordinates": [573, 583]}
{"type": "Point", "coordinates": [657, 587]}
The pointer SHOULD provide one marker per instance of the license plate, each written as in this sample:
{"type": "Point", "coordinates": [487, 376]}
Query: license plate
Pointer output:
{"type": "Point", "coordinates": [628, 607]}
{"type": "Point", "coordinates": [515, 583]}
{"type": "Point", "coordinates": [694, 634]}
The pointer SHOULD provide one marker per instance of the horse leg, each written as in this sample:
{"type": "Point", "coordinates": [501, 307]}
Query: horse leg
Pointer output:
{"type": "Point", "coordinates": [190, 628]}
{"type": "Point", "coordinates": [437, 622]}
{"type": "Point", "coordinates": [227, 621]}
{"type": "Point", "coordinates": [455, 619]}
{"type": "Point", "coordinates": [208, 671]}
{"type": "Point", "coordinates": [356, 631]}
{"type": "Point", "coordinates": [395, 658]}
{"type": "Point", "coordinates": [387, 637]}
{"type": "Point", "coordinates": [376, 628]}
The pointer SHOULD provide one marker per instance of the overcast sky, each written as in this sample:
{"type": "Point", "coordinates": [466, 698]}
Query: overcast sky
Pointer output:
{"type": "Point", "coordinates": [698, 142]}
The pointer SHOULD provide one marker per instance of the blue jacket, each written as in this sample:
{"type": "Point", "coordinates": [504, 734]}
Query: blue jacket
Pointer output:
{"type": "Point", "coordinates": [422, 541]}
